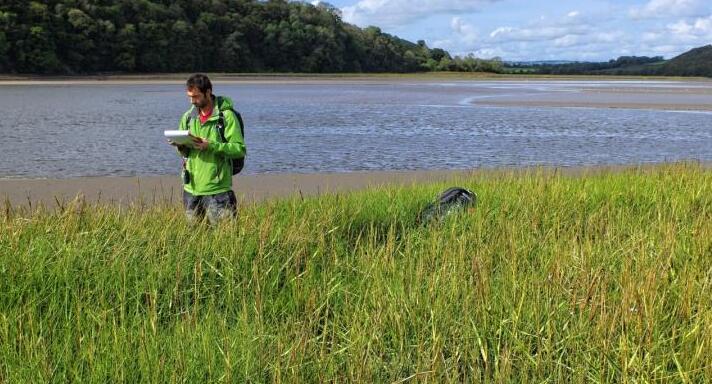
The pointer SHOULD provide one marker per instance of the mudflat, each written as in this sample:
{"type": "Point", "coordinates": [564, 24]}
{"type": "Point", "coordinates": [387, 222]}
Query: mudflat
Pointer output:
{"type": "Point", "coordinates": [154, 189]}
{"type": "Point", "coordinates": [660, 95]}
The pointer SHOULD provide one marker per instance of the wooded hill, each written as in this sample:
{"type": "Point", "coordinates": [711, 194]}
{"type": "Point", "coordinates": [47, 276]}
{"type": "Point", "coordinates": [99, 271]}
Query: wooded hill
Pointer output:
{"type": "Point", "coordinates": [695, 62]}
{"type": "Point", "coordinates": [143, 36]}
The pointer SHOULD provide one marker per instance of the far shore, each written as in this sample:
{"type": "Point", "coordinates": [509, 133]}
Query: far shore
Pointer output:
{"type": "Point", "coordinates": [261, 78]}
{"type": "Point", "coordinates": [124, 191]}
{"type": "Point", "coordinates": [682, 107]}
{"type": "Point", "coordinates": [686, 94]}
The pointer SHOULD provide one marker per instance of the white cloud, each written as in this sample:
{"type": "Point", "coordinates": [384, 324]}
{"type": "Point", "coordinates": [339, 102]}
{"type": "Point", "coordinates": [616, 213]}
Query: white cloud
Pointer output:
{"type": "Point", "coordinates": [572, 36]}
{"type": "Point", "coordinates": [586, 32]}
{"type": "Point", "coordinates": [390, 13]}
{"type": "Point", "coordinates": [598, 38]}
{"type": "Point", "coordinates": [565, 29]}
{"type": "Point", "coordinates": [488, 53]}
{"type": "Point", "coordinates": [465, 32]}
{"type": "Point", "coordinates": [701, 27]}
{"type": "Point", "coordinates": [504, 34]}
{"type": "Point", "coordinates": [567, 41]}
{"type": "Point", "coordinates": [667, 8]}
{"type": "Point", "coordinates": [674, 38]}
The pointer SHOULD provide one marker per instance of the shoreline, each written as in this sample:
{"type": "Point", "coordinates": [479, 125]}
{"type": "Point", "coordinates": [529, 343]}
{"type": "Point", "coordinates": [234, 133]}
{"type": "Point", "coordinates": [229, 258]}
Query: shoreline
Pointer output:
{"type": "Point", "coordinates": [127, 190]}
{"type": "Point", "coordinates": [680, 95]}
{"type": "Point", "coordinates": [308, 78]}
{"type": "Point", "coordinates": [665, 107]}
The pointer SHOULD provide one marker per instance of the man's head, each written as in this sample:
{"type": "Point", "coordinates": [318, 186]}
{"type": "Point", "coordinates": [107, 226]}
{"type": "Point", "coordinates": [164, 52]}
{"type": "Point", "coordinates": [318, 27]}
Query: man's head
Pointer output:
{"type": "Point", "coordinates": [199, 90]}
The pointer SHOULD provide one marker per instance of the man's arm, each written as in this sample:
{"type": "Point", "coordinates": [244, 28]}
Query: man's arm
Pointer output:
{"type": "Point", "coordinates": [235, 146]}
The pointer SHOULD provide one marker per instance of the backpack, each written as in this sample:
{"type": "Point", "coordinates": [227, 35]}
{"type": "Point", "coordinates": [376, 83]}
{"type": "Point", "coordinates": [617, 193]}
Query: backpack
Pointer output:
{"type": "Point", "coordinates": [237, 164]}
{"type": "Point", "coordinates": [452, 200]}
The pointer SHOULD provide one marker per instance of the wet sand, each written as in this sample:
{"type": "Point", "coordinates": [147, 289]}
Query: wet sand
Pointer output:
{"type": "Point", "coordinates": [334, 78]}
{"type": "Point", "coordinates": [672, 96]}
{"type": "Point", "coordinates": [631, 92]}
{"type": "Point", "coordinates": [237, 78]}
{"type": "Point", "coordinates": [155, 189]}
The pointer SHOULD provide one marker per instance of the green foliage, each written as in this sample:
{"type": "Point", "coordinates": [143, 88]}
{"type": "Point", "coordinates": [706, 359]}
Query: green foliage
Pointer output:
{"type": "Point", "coordinates": [696, 62]}
{"type": "Point", "coordinates": [69, 36]}
{"type": "Point", "coordinates": [601, 277]}
{"type": "Point", "coordinates": [624, 65]}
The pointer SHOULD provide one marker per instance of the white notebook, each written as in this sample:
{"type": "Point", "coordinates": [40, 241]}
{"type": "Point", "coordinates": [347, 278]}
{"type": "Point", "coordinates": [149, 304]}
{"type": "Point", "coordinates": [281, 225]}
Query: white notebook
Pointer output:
{"type": "Point", "coordinates": [179, 137]}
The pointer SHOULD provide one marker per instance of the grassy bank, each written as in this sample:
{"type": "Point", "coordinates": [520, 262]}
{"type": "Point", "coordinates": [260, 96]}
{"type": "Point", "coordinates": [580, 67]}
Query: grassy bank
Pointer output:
{"type": "Point", "coordinates": [595, 278]}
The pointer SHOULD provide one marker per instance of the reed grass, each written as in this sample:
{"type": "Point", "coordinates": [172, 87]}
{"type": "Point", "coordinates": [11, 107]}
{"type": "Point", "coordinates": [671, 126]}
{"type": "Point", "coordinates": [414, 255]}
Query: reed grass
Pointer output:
{"type": "Point", "coordinates": [602, 277]}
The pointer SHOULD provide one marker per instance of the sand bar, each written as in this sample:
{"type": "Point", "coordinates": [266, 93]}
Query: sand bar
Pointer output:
{"type": "Point", "coordinates": [333, 78]}
{"type": "Point", "coordinates": [667, 96]}
{"type": "Point", "coordinates": [149, 189]}
{"type": "Point", "coordinates": [628, 92]}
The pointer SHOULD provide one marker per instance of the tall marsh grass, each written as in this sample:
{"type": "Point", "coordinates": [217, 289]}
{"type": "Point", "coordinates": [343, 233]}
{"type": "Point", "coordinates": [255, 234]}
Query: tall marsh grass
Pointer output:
{"type": "Point", "coordinates": [605, 277]}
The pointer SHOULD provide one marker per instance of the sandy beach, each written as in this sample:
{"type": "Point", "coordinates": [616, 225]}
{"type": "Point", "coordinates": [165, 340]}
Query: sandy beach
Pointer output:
{"type": "Point", "coordinates": [668, 96]}
{"type": "Point", "coordinates": [248, 78]}
{"type": "Point", "coordinates": [310, 78]}
{"type": "Point", "coordinates": [154, 189]}
{"type": "Point", "coordinates": [679, 94]}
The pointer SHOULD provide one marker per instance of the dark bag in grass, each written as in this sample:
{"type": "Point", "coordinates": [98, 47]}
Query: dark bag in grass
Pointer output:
{"type": "Point", "coordinates": [452, 200]}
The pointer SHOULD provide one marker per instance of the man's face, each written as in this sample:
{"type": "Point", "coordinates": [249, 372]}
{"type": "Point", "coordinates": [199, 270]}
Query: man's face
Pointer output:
{"type": "Point", "coordinates": [197, 98]}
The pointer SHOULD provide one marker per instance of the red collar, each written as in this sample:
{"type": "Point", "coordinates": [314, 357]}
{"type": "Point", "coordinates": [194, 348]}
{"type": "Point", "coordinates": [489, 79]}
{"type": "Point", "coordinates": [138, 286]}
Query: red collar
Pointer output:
{"type": "Point", "coordinates": [205, 117]}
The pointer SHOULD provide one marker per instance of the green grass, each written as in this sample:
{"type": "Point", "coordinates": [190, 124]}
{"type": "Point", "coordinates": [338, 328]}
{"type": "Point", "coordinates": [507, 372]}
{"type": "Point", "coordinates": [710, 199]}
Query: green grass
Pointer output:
{"type": "Point", "coordinates": [602, 277]}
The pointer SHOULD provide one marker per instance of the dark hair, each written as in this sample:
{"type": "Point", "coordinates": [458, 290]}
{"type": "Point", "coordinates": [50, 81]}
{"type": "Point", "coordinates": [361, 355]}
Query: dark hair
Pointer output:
{"type": "Point", "coordinates": [199, 81]}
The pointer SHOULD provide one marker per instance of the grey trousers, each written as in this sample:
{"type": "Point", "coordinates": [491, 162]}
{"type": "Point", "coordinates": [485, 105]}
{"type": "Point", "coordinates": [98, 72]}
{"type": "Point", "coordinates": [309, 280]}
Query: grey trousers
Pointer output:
{"type": "Point", "coordinates": [216, 207]}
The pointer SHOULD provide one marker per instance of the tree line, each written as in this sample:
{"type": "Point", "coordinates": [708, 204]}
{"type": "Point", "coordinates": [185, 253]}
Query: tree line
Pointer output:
{"type": "Point", "coordinates": [695, 62]}
{"type": "Point", "coordinates": [624, 65]}
{"type": "Point", "coordinates": [144, 36]}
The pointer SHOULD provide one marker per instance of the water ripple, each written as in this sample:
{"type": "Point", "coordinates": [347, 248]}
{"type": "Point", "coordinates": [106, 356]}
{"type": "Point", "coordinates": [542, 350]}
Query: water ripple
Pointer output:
{"type": "Point", "coordinates": [69, 131]}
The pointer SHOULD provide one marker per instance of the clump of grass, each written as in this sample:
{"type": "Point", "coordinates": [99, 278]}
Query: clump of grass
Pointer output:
{"type": "Point", "coordinates": [604, 277]}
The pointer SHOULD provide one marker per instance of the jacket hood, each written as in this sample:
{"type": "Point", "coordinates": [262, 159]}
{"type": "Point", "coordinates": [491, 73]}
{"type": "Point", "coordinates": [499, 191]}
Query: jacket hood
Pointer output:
{"type": "Point", "coordinates": [222, 103]}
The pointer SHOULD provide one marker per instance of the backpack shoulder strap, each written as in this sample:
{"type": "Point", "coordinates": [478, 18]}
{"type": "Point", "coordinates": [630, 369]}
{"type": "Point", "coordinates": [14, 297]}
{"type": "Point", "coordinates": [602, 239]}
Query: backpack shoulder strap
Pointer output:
{"type": "Point", "coordinates": [221, 124]}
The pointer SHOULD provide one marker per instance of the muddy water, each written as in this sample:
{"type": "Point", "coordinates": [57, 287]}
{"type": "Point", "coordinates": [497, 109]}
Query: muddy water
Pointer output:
{"type": "Point", "coordinates": [58, 131]}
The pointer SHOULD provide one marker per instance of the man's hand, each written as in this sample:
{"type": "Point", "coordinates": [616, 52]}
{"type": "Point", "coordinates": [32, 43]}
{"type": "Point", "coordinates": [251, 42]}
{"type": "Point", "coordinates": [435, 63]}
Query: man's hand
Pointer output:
{"type": "Point", "coordinates": [200, 144]}
{"type": "Point", "coordinates": [182, 149]}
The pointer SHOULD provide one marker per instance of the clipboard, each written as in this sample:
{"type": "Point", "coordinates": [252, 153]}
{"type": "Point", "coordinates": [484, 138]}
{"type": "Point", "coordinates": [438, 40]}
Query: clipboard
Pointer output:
{"type": "Point", "coordinates": [179, 137]}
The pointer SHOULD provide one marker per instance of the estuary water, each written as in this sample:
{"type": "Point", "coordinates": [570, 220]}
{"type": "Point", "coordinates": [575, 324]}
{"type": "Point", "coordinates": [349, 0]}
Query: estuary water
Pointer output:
{"type": "Point", "coordinates": [61, 131]}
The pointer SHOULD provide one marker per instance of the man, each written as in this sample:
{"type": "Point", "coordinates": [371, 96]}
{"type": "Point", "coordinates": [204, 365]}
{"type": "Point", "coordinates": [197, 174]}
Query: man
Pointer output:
{"type": "Point", "coordinates": [207, 165]}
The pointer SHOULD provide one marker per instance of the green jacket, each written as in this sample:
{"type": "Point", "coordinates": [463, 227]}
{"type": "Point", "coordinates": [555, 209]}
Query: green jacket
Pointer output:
{"type": "Point", "coordinates": [210, 170]}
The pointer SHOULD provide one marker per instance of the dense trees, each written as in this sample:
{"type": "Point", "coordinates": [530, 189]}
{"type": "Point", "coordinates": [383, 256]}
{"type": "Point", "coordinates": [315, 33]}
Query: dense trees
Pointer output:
{"type": "Point", "coordinates": [695, 62]}
{"type": "Point", "coordinates": [624, 65]}
{"type": "Point", "coordinates": [90, 36]}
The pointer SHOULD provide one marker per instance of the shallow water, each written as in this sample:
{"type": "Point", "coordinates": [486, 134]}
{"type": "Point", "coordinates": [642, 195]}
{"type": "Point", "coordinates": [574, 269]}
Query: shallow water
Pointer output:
{"type": "Point", "coordinates": [57, 131]}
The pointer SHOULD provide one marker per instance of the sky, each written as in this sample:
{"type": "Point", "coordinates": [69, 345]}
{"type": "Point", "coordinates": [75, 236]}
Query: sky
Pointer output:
{"type": "Point", "coordinates": [526, 30]}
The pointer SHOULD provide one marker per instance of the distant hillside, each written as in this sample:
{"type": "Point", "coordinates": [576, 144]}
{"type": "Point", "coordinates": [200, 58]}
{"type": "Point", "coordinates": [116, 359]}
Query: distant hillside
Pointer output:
{"type": "Point", "coordinates": [695, 62]}
{"type": "Point", "coordinates": [538, 62]}
{"type": "Point", "coordinates": [145, 36]}
{"type": "Point", "coordinates": [624, 65]}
